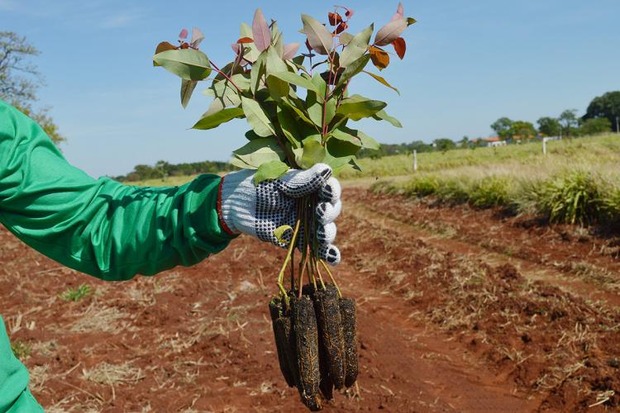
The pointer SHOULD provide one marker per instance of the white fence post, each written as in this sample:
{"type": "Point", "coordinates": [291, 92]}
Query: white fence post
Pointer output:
{"type": "Point", "coordinates": [415, 160]}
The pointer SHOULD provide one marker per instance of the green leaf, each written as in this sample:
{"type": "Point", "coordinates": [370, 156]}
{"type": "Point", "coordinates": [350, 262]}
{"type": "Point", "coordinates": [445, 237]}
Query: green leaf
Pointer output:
{"type": "Point", "coordinates": [289, 126]}
{"type": "Point", "coordinates": [187, 88]}
{"type": "Point", "coordinates": [299, 108]}
{"type": "Point", "coordinates": [315, 109]}
{"type": "Point", "coordinates": [270, 170]}
{"type": "Point", "coordinates": [215, 119]}
{"type": "Point", "coordinates": [356, 47]}
{"type": "Point", "coordinates": [382, 115]}
{"type": "Point", "coordinates": [357, 107]}
{"type": "Point", "coordinates": [277, 87]}
{"type": "Point", "coordinates": [382, 81]}
{"type": "Point", "coordinates": [224, 89]}
{"type": "Point", "coordinates": [319, 38]}
{"type": "Point", "coordinates": [257, 152]}
{"type": "Point", "coordinates": [330, 110]}
{"type": "Point", "coordinates": [188, 64]}
{"type": "Point", "coordinates": [313, 152]}
{"type": "Point", "coordinates": [250, 50]}
{"type": "Point", "coordinates": [347, 135]}
{"type": "Point", "coordinates": [257, 73]}
{"type": "Point", "coordinates": [274, 62]}
{"type": "Point", "coordinates": [297, 80]}
{"type": "Point", "coordinates": [320, 85]}
{"type": "Point", "coordinates": [251, 135]}
{"type": "Point", "coordinates": [368, 142]}
{"type": "Point", "coordinates": [345, 38]}
{"type": "Point", "coordinates": [258, 120]}
{"type": "Point", "coordinates": [351, 70]}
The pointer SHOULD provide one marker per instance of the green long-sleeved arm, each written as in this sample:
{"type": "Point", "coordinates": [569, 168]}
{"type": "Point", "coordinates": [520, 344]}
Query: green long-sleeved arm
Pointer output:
{"type": "Point", "coordinates": [99, 226]}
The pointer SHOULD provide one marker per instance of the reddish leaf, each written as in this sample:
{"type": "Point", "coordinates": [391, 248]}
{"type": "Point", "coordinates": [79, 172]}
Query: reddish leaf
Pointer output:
{"type": "Point", "coordinates": [390, 32]}
{"type": "Point", "coordinates": [334, 18]}
{"type": "Point", "coordinates": [341, 28]}
{"type": "Point", "coordinates": [260, 31]}
{"type": "Point", "coordinates": [163, 46]}
{"type": "Point", "coordinates": [245, 40]}
{"type": "Point", "coordinates": [183, 34]}
{"type": "Point", "coordinates": [197, 37]}
{"type": "Point", "coordinates": [400, 12]}
{"type": "Point", "coordinates": [400, 46]}
{"type": "Point", "coordinates": [290, 50]}
{"type": "Point", "coordinates": [319, 37]}
{"type": "Point", "coordinates": [349, 13]}
{"type": "Point", "coordinates": [380, 58]}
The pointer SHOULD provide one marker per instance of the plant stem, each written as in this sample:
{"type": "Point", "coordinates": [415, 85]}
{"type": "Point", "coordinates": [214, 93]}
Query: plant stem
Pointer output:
{"type": "Point", "coordinates": [291, 247]}
{"type": "Point", "coordinates": [228, 78]}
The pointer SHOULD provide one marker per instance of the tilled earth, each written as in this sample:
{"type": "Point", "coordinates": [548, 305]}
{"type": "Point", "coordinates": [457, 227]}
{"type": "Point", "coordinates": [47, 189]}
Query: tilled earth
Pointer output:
{"type": "Point", "coordinates": [459, 310]}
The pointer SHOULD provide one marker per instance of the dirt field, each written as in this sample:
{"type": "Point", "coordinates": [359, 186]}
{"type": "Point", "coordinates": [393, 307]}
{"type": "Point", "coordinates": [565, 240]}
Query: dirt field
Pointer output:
{"type": "Point", "coordinates": [459, 311]}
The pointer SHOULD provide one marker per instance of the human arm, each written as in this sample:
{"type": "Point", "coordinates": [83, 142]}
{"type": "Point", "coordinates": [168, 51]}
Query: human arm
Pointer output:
{"type": "Point", "coordinates": [100, 226]}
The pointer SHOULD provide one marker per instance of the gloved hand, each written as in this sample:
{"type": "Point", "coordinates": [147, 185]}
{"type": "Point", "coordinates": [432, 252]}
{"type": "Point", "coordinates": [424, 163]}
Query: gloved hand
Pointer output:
{"type": "Point", "coordinates": [258, 210]}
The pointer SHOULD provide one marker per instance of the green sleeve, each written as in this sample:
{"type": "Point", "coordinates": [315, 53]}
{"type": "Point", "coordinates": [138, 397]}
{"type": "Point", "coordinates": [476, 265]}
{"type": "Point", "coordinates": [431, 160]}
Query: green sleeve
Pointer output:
{"type": "Point", "coordinates": [14, 394]}
{"type": "Point", "coordinates": [100, 226]}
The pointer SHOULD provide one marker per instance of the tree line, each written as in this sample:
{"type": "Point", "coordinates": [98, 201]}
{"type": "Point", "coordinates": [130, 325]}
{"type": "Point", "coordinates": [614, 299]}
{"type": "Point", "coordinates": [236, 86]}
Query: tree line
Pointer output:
{"type": "Point", "coordinates": [602, 115]}
{"type": "Point", "coordinates": [163, 169]}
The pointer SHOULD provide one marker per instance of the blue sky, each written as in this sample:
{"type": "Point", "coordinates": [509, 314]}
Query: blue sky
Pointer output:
{"type": "Point", "coordinates": [468, 63]}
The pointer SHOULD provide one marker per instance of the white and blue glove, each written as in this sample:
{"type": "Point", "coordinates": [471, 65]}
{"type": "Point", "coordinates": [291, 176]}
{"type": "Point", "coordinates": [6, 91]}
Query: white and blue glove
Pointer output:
{"type": "Point", "coordinates": [258, 210]}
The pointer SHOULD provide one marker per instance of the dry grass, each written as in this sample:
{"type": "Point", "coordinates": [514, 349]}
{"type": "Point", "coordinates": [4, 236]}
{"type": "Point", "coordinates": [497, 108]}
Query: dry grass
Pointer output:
{"type": "Point", "coordinates": [101, 318]}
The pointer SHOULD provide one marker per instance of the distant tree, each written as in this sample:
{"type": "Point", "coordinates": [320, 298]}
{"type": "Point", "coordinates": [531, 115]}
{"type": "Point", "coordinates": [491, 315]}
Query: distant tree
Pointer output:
{"type": "Point", "coordinates": [594, 126]}
{"type": "Point", "coordinates": [464, 142]}
{"type": "Point", "coordinates": [420, 146]}
{"type": "Point", "coordinates": [568, 121]}
{"type": "Point", "coordinates": [502, 127]}
{"type": "Point", "coordinates": [605, 106]}
{"type": "Point", "coordinates": [522, 130]}
{"type": "Point", "coordinates": [548, 126]}
{"type": "Point", "coordinates": [20, 80]}
{"type": "Point", "coordinates": [444, 144]}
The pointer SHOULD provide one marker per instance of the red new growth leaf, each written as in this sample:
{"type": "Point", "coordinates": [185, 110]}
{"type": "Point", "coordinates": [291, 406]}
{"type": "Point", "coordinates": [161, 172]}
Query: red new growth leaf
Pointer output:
{"type": "Point", "coordinates": [245, 40]}
{"type": "Point", "coordinates": [197, 37]}
{"type": "Point", "coordinates": [341, 28]}
{"type": "Point", "coordinates": [349, 13]}
{"type": "Point", "coordinates": [290, 50]}
{"type": "Point", "coordinates": [379, 57]}
{"type": "Point", "coordinates": [260, 31]}
{"type": "Point", "coordinates": [400, 46]}
{"type": "Point", "coordinates": [400, 12]}
{"type": "Point", "coordinates": [334, 18]}
{"type": "Point", "coordinates": [391, 31]}
{"type": "Point", "coordinates": [163, 46]}
{"type": "Point", "coordinates": [183, 34]}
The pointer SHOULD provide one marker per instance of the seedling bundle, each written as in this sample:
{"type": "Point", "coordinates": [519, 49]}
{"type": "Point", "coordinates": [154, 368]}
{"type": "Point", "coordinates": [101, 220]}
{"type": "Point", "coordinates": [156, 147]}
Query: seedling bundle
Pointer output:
{"type": "Point", "coordinates": [299, 107]}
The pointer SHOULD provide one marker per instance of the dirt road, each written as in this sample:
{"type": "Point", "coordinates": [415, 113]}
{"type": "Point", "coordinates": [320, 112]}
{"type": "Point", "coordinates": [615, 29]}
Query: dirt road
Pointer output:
{"type": "Point", "coordinates": [459, 311]}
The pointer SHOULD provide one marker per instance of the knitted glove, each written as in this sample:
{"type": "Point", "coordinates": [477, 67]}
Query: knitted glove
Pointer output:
{"type": "Point", "coordinates": [258, 210]}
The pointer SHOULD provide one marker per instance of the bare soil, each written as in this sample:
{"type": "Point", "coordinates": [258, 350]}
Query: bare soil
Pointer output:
{"type": "Point", "coordinates": [459, 310]}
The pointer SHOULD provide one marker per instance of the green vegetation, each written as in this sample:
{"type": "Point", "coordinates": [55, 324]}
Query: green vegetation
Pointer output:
{"type": "Point", "coordinates": [76, 294]}
{"type": "Point", "coordinates": [164, 171]}
{"type": "Point", "coordinates": [576, 182]}
{"type": "Point", "coordinates": [21, 350]}
{"type": "Point", "coordinates": [20, 81]}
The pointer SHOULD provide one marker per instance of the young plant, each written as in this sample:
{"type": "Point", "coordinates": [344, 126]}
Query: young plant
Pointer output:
{"type": "Point", "coordinates": [299, 107]}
